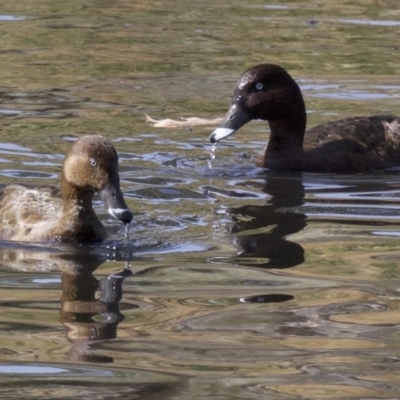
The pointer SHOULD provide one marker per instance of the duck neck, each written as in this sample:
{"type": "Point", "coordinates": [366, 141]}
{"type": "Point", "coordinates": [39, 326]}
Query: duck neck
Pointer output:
{"type": "Point", "coordinates": [287, 135]}
{"type": "Point", "coordinates": [76, 198]}
{"type": "Point", "coordinates": [78, 218]}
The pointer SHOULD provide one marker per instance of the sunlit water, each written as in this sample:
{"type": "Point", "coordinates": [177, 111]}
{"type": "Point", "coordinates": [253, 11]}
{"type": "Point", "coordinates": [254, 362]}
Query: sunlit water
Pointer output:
{"type": "Point", "coordinates": [232, 282]}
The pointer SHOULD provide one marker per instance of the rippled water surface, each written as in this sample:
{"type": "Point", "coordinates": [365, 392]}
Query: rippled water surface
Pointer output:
{"type": "Point", "coordinates": [236, 283]}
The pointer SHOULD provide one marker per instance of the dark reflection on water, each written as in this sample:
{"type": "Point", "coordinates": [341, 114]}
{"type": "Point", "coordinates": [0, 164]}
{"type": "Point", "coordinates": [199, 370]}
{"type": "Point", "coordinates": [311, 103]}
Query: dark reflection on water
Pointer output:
{"type": "Point", "coordinates": [89, 310]}
{"type": "Point", "coordinates": [80, 307]}
{"type": "Point", "coordinates": [269, 225]}
{"type": "Point", "coordinates": [267, 298]}
{"type": "Point", "coordinates": [86, 315]}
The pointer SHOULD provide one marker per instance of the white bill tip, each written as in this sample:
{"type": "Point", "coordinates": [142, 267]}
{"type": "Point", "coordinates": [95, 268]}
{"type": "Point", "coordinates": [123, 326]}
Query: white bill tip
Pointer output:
{"type": "Point", "coordinates": [221, 133]}
{"type": "Point", "coordinates": [117, 211]}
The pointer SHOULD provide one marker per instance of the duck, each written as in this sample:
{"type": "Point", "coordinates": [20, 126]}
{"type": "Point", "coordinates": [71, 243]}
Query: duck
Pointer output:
{"type": "Point", "coordinates": [352, 144]}
{"type": "Point", "coordinates": [48, 213]}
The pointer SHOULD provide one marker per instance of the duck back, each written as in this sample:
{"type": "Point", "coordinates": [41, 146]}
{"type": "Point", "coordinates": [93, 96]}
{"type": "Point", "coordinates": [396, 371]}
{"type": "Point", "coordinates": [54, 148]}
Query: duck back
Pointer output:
{"type": "Point", "coordinates": [353, 144]}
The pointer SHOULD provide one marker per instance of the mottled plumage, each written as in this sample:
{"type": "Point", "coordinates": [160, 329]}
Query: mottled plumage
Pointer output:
{"type": "Point", "coordinates": [42, 213]}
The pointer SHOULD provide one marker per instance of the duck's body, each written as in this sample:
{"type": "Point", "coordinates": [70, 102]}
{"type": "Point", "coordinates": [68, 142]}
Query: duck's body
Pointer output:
{"type": "Point", "coordinates": [353, 144]}
{"type": "Point", "coordinates": [43, 213]}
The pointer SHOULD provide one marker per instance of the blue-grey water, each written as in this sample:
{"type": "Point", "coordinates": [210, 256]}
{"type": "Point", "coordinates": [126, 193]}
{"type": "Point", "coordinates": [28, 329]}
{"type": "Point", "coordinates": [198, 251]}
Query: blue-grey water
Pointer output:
{"type": "Point", "coordinates": [236, 283]}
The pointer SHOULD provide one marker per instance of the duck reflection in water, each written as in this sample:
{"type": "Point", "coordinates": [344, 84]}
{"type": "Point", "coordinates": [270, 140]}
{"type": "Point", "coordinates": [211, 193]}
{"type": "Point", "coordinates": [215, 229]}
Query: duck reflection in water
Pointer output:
{"type": "Point", "coordinates": [80, 309]}
{"type": "Point", "coordinates": [270, 224]}
{"type": "Point", "coordinates": [87, 317]}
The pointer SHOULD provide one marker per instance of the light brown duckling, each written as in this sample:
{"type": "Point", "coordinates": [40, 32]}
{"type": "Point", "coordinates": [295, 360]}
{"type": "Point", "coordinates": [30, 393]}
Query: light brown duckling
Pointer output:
{"type": "Point", "coordinates": [353, 144]}
{"type": "Point", "coordinates": [45, 213]}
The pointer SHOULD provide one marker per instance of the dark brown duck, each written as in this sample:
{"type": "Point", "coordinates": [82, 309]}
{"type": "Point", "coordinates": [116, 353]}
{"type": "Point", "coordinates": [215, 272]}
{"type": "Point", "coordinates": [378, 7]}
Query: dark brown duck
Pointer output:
{"type": "Point", "coordinates": [353, 144]}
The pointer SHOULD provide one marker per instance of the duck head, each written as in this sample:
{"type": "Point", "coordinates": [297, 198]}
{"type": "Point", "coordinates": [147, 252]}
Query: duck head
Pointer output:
{"type": "Point", "coordinates": [91, 166]}
{"type": "Point", "coordinates": [265, 92]}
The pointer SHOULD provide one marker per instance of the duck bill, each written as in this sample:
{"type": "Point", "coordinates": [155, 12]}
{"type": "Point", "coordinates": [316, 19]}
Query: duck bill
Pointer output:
{"type": "Point", "coordinates": [112, 196]}
{"type": "Point", "coordinates": [235, 118]}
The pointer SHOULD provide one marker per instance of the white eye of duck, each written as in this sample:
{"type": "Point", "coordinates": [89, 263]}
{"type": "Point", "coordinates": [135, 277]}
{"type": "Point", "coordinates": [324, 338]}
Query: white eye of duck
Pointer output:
{"type": "Point", "coordinates": [93, 162]}
{"type": "Point", "coordinates": [259, 86]}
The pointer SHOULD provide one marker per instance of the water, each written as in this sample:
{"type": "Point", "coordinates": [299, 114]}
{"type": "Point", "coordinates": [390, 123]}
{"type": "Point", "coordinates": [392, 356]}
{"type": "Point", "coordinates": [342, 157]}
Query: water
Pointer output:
{"type": "Point", "coordinates": [231, 282]}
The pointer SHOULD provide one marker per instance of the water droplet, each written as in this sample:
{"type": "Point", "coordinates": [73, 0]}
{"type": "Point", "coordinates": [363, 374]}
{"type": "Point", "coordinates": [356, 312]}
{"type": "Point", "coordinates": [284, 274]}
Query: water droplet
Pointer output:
{"type": "Point", "coordinates": [212, 155]}
{"type": "Point", "coordinates": [127, 232]}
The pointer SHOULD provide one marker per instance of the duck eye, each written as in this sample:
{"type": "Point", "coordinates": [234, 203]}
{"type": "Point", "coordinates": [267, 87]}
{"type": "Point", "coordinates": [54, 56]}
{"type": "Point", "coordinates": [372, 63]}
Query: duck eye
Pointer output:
{"type": "Point", "coordinates": [93, 162]}
{"type": "Point", "coordinates": [259, 86]}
